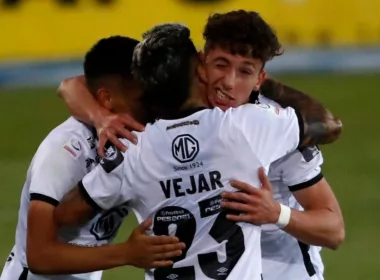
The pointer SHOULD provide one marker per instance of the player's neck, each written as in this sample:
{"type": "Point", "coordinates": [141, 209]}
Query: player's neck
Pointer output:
{"type": "Point", "coordinates": [197, 97]}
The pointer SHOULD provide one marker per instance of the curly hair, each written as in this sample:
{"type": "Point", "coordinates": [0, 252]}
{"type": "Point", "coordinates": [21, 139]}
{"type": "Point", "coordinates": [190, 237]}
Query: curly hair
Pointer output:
{"type": "Point", "coordinates": [244, 33]}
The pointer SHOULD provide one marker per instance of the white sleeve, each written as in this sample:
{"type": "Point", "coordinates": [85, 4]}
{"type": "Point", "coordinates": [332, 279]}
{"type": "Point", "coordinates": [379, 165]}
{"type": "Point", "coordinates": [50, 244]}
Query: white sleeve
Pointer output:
{"type": "Point", "coordinates": [302, 169]}
{"type": "Point", "coordinates": [56, 168]}
{"type": "Point", "coordinates": [271, 132]}
{"type": "Point", "coordinates": [106, 185]}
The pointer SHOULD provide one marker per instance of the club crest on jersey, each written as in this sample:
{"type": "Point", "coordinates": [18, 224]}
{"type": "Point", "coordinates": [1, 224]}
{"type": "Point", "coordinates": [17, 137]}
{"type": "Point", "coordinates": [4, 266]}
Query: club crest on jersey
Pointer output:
{"type": "Point", "coordinates": [185, 148]}
{"type": "Point", "coordinates": [106, 226]}
{"type": "Point", "coordinates": [112, 158]}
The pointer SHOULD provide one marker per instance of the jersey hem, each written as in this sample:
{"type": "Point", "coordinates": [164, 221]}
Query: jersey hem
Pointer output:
{"type": "Point", "coordinates": [44, 198]}
{"type": "Point", "coordinates": [306, 184]}
{"type": "Point", "coordinates": [87, 197]}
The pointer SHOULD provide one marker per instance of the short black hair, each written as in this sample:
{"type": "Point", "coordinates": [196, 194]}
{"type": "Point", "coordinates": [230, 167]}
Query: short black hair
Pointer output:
{"type": "Point", "coordinates": [162, 64]}
{"type": "Point", "coordinates": [109, 57]}
{"type": "Point", "coordinates": [244, 33]}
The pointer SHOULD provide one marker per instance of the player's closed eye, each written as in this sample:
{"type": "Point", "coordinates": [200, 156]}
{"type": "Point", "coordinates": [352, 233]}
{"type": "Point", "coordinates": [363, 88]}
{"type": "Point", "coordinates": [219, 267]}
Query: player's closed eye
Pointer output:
{"type": "Point", "coordinates": [221, 65]}
{"type": "Point", "coordinates": [246, 71]}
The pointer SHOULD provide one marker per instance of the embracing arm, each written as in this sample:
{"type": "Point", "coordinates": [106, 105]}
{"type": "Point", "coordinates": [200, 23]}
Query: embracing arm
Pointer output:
{"type": "Point", "coordinates": [46, 255]}
{"type": "Point", "coordinates": [81, 104]}
{"type": "Point", "coordinates": [320, 126]}
{"type": "Point", "coordinates": [84, 107]}
{"type": "Point", "coordinates": [321, 223]}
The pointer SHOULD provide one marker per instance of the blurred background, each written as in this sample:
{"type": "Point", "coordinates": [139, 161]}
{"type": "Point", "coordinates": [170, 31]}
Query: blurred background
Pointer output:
{"type": "Point", "coordinates": [332, 51]}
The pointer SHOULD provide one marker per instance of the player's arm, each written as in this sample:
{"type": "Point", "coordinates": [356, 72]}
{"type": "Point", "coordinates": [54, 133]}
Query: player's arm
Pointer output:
{"type": "Point", "coordinates": [321, 222]}
{"type": "Point", "coordinates": [103, 188]}
{"type": "Point", "coordinates": [45, 254]}
{"type": "Point", "coordinates": [83, 106]}
{"type": "Point", "coordinates": [80, 102]}
{"type": "Point", "coordinates": [301, 172]}
{"type": "Point", "coordinates": [321, 127]}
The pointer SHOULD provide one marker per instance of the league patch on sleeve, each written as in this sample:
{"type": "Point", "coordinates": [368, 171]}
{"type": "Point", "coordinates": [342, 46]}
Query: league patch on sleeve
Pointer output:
{"type": "Point", "coordinates": [309, 153]}
{"type": "Point", "coordinates": [74, 147]}
{"type": "Point", "coordinates": [112, 158]}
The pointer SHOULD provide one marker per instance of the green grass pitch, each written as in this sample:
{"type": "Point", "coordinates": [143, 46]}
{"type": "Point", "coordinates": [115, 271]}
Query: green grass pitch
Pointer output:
{"type": "Point", "coordinates": [351, 165]}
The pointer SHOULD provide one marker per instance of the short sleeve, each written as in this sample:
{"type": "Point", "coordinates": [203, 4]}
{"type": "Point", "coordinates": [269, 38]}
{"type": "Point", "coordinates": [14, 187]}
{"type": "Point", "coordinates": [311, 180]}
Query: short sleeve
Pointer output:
{"type": "Point", "coordinates": [271, 132]}
{"type": "Point", "coordinates": [56, 168]}
{"type": "Point", "coordinates": [302, 169]}
{"type": "Point", "coordinates": [106, 185]}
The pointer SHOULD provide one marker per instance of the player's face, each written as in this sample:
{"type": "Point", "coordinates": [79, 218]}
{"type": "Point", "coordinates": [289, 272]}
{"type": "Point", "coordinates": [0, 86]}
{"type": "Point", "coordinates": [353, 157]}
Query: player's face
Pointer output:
{"type": "Point", "coordinates": [231, 78]}
{"type": "Point", "coordinates": [120, 97]}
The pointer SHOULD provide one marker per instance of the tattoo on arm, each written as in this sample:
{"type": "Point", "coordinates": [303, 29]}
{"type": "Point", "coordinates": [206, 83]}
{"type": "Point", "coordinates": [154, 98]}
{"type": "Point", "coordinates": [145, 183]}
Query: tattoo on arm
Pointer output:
{"type": "Point", "coordinates": [320, 126]}
{"type": "Point", "coordinates": [74, 209]}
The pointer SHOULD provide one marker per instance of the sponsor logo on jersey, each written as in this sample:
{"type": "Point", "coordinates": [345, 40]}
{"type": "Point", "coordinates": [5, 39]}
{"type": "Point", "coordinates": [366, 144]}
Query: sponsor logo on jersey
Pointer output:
{"type": "Point", "coordinates": [185, 148]}
{"type": "Point", "coordinates": [91, 142]}
{"type": "Point", "coordinates": [75, 144]}
{"type": "Point", "coordinates": [90, 163]}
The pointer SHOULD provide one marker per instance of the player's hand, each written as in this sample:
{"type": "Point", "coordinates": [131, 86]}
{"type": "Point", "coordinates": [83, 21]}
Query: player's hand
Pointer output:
{"type": "Point", "coordinates": [257, 206]}
{"type": "Point", "coordinates": [152, 251]}
{"type": "Point", "coordinates": [110, 126]}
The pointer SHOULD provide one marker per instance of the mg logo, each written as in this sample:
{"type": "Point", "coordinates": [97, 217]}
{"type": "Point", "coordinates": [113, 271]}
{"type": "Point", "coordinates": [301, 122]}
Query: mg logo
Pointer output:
{"type": "Point", "coordinates": [185, 148]}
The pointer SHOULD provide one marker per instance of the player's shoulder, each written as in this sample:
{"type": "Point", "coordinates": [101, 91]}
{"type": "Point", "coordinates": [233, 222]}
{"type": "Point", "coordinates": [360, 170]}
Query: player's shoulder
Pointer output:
{"type": "Point", "coordinates": [264, 100]}
{"type": "Point", "coordinates": [71, 136]}
{"type": "Point", "coordinates": [261, 112]}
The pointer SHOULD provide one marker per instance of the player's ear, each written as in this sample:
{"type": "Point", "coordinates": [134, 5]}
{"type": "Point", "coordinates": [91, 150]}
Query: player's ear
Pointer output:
{"type": "Point", "coordinates": [260, 81]}
{"type": "Point", "coordinates": [104, 98]}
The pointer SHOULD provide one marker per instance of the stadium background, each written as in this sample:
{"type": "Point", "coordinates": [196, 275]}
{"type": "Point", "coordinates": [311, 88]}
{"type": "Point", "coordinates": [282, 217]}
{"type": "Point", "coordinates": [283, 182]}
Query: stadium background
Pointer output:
{"type": "Point", "coordinates": [332, 51]}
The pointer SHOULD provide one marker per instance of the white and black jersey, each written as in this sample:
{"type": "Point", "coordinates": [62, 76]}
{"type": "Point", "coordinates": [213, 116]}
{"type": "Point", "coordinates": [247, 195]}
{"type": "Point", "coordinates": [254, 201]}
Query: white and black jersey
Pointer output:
{"type": "Point", "coordinates": [65, 156]}
{"type": "Point", "coordinates": [176, 174]}
{"type": "Point", "coordinates": [284, 257]}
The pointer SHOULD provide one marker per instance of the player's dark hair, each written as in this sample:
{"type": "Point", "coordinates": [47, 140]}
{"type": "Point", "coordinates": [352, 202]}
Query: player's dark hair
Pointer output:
{"type": "Point", "coordinates": [244, 33]}
{"type": "Point", "coordinates": [162, 64]}
{"type": "Point", "coordinates": [109, 57]}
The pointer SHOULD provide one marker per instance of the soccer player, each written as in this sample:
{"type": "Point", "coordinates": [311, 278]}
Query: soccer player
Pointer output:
{"type": "Point", "coordinates": [184, 160]}
{"type": "Point", "coordinates": [63, 158]}
{"type": "Point", "coordinates": [297, 179]}
{"type": "Point", "coordinates": [232, 41]}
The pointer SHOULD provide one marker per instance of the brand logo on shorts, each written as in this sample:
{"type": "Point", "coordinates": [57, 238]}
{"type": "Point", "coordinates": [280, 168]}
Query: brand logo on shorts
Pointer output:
{"type": "Point", "coordinates": [185, 148]}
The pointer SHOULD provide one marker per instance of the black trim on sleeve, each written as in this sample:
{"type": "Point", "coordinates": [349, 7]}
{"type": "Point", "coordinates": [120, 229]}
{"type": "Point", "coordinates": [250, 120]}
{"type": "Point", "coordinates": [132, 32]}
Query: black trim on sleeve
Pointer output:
{"type": "Point", "coordinates": [306, 184]}
{"type": "Point", "coordinates": [44, 198]}
{"type": "Point", "coordinates": [24, 274]}
{"type": "Point", "coordinates": [301, 126]}
{"type": "Point", "coordinates": [306, 258]}
{"type": "Point", "coordinates": [87, 197]}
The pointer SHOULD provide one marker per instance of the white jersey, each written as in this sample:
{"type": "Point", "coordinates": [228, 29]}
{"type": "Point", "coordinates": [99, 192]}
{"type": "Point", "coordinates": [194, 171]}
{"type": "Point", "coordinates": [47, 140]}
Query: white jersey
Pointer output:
{"type": "Point", "coordinates": [176, 174]}
{"type": "Point", "coordinates": [284, 257]}
{"type": "Point", "coordinates": [61, 161]}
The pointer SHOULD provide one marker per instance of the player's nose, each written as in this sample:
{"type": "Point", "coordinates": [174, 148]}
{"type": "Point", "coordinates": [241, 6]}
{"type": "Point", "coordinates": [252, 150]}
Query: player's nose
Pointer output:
{"type": "Point", "coordinates": [229, 79]}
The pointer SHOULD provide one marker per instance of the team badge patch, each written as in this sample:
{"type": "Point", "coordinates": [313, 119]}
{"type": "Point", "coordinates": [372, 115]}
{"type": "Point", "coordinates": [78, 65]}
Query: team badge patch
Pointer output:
{"type": "Point", "coordinates": [74, 147]}
{"type": "Point", "coordinates": [112, 158]}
